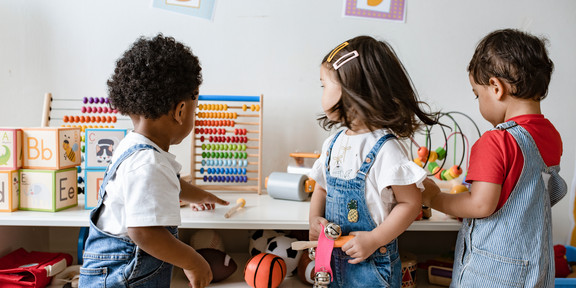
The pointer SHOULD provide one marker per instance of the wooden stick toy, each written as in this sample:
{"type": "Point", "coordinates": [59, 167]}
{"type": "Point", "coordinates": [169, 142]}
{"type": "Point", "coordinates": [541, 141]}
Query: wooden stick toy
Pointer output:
{"type": "Point", "coordinates": [239, 205]}
{"type": "Point", "coordinates": [301, 245]}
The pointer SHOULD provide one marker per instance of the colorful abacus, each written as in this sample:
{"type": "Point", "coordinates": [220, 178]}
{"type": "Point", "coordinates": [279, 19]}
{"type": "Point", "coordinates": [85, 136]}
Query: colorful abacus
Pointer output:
{"type": "Point", "coordinates": [227, 143]}
{"type": "Point", "coordinates": [88, 112]}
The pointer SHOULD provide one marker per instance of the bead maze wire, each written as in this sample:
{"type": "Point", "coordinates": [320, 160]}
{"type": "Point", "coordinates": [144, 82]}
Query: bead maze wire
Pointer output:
{"type": "Point", "coordinates": [227, 144]}
{"type": "Point", "coordinates": [460, 147]}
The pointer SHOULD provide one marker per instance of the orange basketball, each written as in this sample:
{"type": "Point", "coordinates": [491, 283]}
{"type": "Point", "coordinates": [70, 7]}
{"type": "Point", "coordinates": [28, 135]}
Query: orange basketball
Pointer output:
{"type": "Point", "coordinates": [265, 270]}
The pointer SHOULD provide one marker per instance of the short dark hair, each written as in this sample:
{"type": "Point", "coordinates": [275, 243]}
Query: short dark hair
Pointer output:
{"type": "Point", "coordinates": [516, 57]}
{"type": "Point", "coordinates": [152, 76]}
{"type": "Point", "coordinates": [376, 89]}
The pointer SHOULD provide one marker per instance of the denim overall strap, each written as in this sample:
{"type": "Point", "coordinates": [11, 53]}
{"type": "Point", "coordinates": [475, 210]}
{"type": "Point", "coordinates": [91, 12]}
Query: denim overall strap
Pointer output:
{"type": "Point", "coordinates": [513, 247]}
{"type": "Point", "coordinates": [346, 206]}
{"type": "Point", "coordinates": [114, 261]}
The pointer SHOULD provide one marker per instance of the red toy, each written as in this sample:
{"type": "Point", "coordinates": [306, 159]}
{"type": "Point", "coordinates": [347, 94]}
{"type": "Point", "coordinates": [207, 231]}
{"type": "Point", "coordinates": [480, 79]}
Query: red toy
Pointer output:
{"type": "Point", "coordinates": [560, 261]}
{"type": "Point", "coordinates": [265, 270]}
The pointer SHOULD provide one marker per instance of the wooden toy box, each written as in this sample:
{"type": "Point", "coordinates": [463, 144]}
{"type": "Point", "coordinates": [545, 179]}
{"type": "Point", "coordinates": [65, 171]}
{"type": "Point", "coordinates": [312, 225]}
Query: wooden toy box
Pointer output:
{"type": "Point", "coordinates": [48, 190]}
{"type": "Point", "coordinates": [10, 149]}
{"type": "Point", "coordinates": [51, 148]}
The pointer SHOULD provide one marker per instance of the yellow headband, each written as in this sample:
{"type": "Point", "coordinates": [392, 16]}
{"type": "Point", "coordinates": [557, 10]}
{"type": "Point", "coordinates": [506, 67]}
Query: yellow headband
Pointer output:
{"type": "Point", "coordinates": [336, 50]}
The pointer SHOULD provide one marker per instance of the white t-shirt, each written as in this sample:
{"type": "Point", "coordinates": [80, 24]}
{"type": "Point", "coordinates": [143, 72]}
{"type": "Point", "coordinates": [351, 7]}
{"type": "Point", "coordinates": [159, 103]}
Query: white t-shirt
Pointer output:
{"type": "Point", "coordinates": [391, 167]}
{"type": "Point", "coordinates": [144, 192]}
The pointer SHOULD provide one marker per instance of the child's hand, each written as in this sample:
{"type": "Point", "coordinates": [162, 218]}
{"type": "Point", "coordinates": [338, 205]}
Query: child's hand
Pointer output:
{"type": "Point", "coordinates": [200, 276]}
{"type": "Point", "coordinates": [208, 202]}
{"type": "Point", "coordinates": [430, 191]}
{"type": "Point", "coordinates": [360, 247]}
{"type": "Point", "coordinates": [316, 224]}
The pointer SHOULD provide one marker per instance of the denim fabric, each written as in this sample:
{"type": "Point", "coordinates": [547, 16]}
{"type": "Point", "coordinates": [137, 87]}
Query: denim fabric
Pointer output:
{"type": "Point", "coordinates": [513, 247]}
{"type": "Point", "coordinates": [382, 268]}
{"type": "Point", "coordinates": [113, 261]}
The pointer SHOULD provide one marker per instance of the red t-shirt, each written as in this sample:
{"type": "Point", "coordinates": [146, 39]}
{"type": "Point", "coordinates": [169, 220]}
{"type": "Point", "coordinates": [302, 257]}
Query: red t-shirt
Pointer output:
{"type": "Point", "coordinates": [497, 158]}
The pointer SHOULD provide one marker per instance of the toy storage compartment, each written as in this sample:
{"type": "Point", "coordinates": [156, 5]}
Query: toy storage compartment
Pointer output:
{"type": "Point", "coordinates": [567, 282]}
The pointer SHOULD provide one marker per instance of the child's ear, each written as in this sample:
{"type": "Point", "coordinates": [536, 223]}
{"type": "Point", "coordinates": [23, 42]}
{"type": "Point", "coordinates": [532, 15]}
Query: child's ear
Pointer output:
{"type": "Point", "coordinates": [497, 87]}
{"type": "Point", "coordinates": [180, 112]}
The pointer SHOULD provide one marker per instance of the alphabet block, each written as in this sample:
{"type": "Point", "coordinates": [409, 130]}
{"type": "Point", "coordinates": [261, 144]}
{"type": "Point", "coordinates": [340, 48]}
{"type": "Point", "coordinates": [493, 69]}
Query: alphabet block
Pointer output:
{"type": "Point", "coordinates": [51, 148]}
{"type": "Point", "coordinates": [100, 146]}
{"type": "Point", "coordinates": [10, 149]}
{"type": "Point", "coordinates": [93, 181]}
{"type": "Point", "coordinates": [48, 190]}
{"type": "Point", "coordinates": [9, 190]}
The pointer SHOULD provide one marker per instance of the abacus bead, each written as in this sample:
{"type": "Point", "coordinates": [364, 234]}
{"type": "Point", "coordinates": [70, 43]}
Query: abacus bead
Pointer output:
{"type": "Point", "coordinates": [446, 175]}
{"type": "Point", "coordinates": [423, 153]}
{"type": "Point", "coordinates": [418, 162]}
{"type": "Point", "coordinates": [439, 174]}
{"type": "Point", "coordinates": [432, 156]}
{"type": "Point", "coordinates": [202, 170]}
{"type": "Point", "coordinates": [102, 100]}
{"type": "Point", "coordinates": [83, 109]}
{"type": "Point", "coordinates": [85, 100]}
{"type": "Point", "coordinates": [90, 100]}
{"type": "Point", "coordinates": [455, 171]}
{"type": "Point", "coordinates": [244, 107]}
{"type": "Point", "coordinates": [432, 167]}
{"type": "Point", "coordinates": [441, 153]}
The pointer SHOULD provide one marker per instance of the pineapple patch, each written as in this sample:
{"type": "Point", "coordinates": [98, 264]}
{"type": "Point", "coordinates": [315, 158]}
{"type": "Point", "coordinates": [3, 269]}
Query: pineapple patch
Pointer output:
{"type": "Point", "coordinates": [353, 211]}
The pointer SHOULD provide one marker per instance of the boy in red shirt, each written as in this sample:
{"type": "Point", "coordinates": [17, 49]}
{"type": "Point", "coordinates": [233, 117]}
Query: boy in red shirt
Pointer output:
{"type": "Point", "coordinates": [506, 236]}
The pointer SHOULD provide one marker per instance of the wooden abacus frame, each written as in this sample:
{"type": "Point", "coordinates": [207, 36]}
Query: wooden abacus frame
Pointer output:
{"type": "Point", "coordinates": [249, 107]}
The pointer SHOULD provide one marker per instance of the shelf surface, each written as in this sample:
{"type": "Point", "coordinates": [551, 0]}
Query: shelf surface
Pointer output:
{"type": "Point", "coordinates": [260, 212]}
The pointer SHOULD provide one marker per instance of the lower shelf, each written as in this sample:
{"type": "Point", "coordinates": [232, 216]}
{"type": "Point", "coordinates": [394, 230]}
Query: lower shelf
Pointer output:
{"type": "Point", "coordinates": [237, 279]}
{"type": "Point", "coordinates": [179, 280]}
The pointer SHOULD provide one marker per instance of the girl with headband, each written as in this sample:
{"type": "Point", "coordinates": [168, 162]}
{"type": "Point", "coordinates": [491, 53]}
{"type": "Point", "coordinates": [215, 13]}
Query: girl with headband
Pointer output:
{"type": "Point", "coordinates": [365, 181]}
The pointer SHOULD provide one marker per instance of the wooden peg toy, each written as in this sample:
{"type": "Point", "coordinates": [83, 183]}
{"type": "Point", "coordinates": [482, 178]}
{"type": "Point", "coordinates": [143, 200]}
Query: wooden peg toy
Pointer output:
{"type": "Point", "coordinates": [301, 245]}
{"type": "Point", "coordinates": [239, 205]}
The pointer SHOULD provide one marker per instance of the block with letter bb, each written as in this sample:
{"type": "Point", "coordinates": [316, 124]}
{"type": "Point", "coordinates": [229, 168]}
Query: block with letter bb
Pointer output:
{"type": "Point", "coordinates": [9, 190]}
{"type": "Point", "coordinates": [100, 146]}
{"type": "Point", "coordinates": [51, 148]}
{"type": "Point", "coordinates": [48, 190]}
{"type": "Point", "coordinates": [10, 149]}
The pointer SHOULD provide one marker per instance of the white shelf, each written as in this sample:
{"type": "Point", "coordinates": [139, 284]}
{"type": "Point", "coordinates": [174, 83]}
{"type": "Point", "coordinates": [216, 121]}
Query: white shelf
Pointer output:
{"type": "Point", "coordinates": [260, 212]}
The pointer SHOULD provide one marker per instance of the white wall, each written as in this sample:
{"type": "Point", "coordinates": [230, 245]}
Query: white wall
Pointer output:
{"type": "Point", "coordinates": [273, 47]}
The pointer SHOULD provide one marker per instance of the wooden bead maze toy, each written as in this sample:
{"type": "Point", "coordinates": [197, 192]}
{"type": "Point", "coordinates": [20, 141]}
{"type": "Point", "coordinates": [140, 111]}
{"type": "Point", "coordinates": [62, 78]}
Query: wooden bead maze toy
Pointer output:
{"type": "Point", "coordinates": [435, 161]}
{"type": "Point", "coordinates": [227, 144]}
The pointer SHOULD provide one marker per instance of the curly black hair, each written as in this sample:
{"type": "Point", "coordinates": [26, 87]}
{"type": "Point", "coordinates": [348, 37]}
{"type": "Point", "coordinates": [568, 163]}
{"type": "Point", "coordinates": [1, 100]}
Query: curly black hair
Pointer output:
{"type": "Point", "coordinates": [376, 89]}
{"type": "Point", "coordinates": [515, 57]}
{"type": "Point", "coordinates": [152, 76]}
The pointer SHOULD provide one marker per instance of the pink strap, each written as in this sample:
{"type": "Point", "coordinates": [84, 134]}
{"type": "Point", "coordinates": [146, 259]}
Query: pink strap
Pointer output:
{"type": "Point", "coordinates": [324, 253]}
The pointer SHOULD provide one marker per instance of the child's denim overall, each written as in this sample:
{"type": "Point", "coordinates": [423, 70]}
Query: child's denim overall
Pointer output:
{"type": "Point", "coordinates": [513, 247]}
{"type": "Point", "coordinates": [113, 261]}
{"type": "Point", "coordinates": [381, 269]}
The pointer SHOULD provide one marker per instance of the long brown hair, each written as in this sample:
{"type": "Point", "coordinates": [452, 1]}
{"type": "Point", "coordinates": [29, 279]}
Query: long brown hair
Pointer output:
{"type": "Point", "coordinates": [376, 90]}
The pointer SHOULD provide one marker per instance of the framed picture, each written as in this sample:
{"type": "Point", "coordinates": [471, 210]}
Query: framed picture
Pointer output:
{"type": "Point", "coordinates": [389, 10]}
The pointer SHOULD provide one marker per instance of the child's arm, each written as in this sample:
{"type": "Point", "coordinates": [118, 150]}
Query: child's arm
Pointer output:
{"type": "Point", "coordinates": [160, 243]}
{"type": "Point", "coordinates": [481, 201]}
{"type": "Point", "coordinates": [402, 215]}
{"type": "Point", "coordinates": [203, 199]}
{"type": "Point", "coordinates": [316, 216]}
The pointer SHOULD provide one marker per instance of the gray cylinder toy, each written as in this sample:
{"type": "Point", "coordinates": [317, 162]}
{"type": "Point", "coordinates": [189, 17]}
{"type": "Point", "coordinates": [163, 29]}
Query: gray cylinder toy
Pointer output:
{"type": "Point", "coordinates": [287, 186]}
